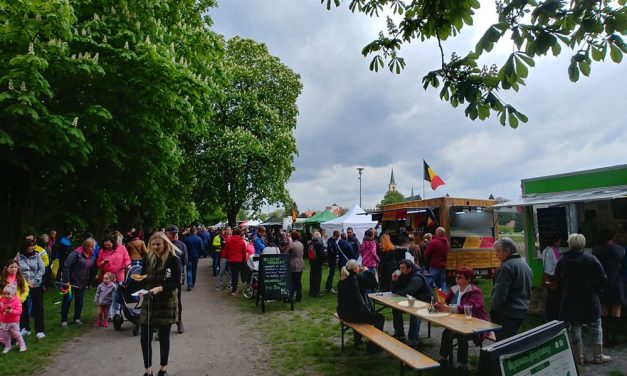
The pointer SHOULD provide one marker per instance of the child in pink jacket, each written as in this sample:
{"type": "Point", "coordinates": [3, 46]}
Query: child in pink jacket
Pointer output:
{"type": "Point", "coordinates": [10, 311]}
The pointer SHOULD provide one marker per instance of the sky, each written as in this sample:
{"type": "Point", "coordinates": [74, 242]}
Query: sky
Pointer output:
{"type": "Point", "coordinates": [351, 117]}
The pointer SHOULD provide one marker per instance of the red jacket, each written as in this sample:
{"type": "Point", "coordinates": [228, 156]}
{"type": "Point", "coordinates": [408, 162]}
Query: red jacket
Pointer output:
{"type": "Point", "coordinates": [15, 304]}
{"type": "Point", "coordinates": [236, 249]}
{"type": "Point", "coordinates": [436, 252]}
{"type": "Point", "coordinates": [474, 297]}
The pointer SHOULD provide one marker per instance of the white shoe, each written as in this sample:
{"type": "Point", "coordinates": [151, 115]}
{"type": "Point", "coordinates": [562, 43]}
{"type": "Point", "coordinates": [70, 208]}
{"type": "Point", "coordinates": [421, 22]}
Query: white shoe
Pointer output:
{"type": "Point", "coordinates": [41, 335]}
{"type": "Point", "coordinates": [22, 349]}
{"type": "Point", "coordinates": [6, 350]}
{"type": "Point", "coordinates": [78, 322]}
{"type": "Point", "coordinates": [64, 324]}
{"type": "Point", "coordinates": [25, 332]}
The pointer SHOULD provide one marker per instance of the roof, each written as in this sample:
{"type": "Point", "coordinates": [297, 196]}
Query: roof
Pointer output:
{"type": "Point", "coordinates": [580, 195]}
{"type": "Point", "coordinates": [320, 217]}
{"type": "Point", "coordinates": [392, 178]}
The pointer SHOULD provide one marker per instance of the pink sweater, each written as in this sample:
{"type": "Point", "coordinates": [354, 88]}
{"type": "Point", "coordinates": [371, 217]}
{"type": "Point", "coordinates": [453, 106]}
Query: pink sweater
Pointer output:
{"type": "Point", "coordinates": [368, 253]}
{"type": "Point", "coordinates": [15, 304]}
{"type": "Point", "coordinates": [118, 261]}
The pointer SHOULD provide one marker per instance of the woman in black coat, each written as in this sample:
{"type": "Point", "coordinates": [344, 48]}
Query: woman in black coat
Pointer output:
{"type": "Point", "coordinates": [581, 278]}
{"type": "Point", "coordinates": [612, 257]}
{"type": "Point", "coordinates": [161, 277]}
{"type": "Point", "coordinates": [352, 305]}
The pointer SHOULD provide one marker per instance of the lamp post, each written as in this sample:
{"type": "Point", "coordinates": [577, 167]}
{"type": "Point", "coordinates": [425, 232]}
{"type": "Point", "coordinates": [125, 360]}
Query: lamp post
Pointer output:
{"type": "Point", "coordinates": [360, 170]}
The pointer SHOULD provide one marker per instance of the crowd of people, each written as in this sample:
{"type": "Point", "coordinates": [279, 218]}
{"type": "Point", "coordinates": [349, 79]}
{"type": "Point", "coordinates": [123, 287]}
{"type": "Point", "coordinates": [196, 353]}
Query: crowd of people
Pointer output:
{"type": "Point", "coordinates": [585, 291]}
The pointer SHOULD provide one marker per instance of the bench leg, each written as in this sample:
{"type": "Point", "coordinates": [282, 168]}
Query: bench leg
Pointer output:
{"type": "Point", "coordinates": [402, 369]}
{"type": "Point", "coordinates": [429, 329]}
{"type": "Point", "coordinates": [343, 331]}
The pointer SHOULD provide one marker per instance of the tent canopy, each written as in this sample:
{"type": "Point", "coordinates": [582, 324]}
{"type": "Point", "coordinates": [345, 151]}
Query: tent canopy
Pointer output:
{"type": "Point", "coordinates": [555, 198]}
{"type": "Point", "coordinates": [320, 217]}
{"type": "Point", "coordinates": [273, 221]}
{"type": "Point", "coordinates": [355, 218]}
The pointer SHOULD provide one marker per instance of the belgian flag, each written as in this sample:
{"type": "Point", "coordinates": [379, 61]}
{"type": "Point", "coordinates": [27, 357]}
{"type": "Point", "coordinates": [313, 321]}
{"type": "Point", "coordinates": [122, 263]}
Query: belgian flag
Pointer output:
{"type": "Point", "coordinates": [432, 177]}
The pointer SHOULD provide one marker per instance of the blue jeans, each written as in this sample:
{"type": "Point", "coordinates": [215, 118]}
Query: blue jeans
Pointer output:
{"type": "Point", "coordinates": [215, 262]}
{"type": "Point", "coordinates": [78, 295]}
{"type": "Point", "coordinates": [437, 278]}
{"type": "Point", "coordinates": [594, 337]}
{"type": "Point", "coordinates": [399, 327]}
{"type": "Point", "coordinates": [192, 266]}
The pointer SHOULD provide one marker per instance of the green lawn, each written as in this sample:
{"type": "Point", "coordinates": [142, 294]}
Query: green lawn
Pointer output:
{"type": "Point", "coordinates": [307, 341]}
{"type": "Point", "coordinates": [41, 351]}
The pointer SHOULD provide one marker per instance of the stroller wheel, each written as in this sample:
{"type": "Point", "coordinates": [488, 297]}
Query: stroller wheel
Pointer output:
{"type": "Point", "coordinates": [117, 322]}
{"type": "Point", "coordinates": [248, 291]}
{"type": "Point", "coordinates": [135, 329]}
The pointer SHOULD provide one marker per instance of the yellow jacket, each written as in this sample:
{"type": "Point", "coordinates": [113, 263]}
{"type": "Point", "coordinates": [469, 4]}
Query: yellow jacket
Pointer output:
{"type": "Point", "coordinates": [43, 254]}
{"type": "Point", "coordinates": [20, 294]}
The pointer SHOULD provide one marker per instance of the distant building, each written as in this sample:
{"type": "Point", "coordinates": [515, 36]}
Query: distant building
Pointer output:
{"type": "Point", "coordinates": [413, 197]}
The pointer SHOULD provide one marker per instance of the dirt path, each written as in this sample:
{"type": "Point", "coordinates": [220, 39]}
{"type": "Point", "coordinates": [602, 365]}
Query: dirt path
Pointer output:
{"type": "Point", "coordinates": [213, 342]}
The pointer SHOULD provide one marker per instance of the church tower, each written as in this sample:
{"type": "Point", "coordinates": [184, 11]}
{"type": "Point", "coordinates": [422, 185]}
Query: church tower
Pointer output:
{"type": "Point", "coordinates": [392, 185]}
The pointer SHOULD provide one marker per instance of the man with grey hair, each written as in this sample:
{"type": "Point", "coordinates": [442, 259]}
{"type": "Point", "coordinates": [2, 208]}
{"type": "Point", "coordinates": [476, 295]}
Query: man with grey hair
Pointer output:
{"type": "Point", "coordinates": [512, 289]}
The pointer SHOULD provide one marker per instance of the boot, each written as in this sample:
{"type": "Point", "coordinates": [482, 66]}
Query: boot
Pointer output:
{"type": "Point", "coordinates": [578, 353]}
{"type": "Point", "coordinates": [180, 329]}
{"type": "Point", "coordinates": [599, 358]}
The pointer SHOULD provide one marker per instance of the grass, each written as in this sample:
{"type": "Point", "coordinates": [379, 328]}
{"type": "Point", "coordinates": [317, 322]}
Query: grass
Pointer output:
{"type": "Point", "coordinates": [307, 341]}
{"type": "Point", "coordinates": [40, 352]}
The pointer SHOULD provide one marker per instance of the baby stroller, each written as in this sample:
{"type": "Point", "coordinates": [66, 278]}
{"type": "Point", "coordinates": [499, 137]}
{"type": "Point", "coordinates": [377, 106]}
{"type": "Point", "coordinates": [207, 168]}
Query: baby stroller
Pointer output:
{"type": "Point", "coordinates": [129, 304]}
{"type": "Point", "coordinates": [253, 283]}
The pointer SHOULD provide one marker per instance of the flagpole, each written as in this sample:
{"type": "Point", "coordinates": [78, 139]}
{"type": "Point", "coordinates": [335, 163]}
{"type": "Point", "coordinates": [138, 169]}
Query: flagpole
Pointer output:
{"type": "Point", "coordinates": [423, 180]}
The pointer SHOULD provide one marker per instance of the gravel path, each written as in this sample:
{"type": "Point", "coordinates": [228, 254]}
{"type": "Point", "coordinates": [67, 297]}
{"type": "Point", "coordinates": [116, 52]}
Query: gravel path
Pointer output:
{"type": "Point", "coordinates": [213, 342]}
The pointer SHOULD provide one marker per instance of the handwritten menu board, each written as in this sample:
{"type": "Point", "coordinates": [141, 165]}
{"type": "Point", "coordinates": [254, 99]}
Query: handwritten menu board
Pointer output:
{"type": "Point", "coordinates": [274, 277]}
{"type": "Point", "coordinates": [552, 221]}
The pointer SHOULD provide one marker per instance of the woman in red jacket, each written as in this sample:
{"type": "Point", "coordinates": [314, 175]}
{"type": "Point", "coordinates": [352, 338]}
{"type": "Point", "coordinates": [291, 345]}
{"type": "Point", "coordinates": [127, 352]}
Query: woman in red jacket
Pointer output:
{"type": "Point", "coordinates": [236, 253]}
{"type": "Point", "coordinates": [464, 293]}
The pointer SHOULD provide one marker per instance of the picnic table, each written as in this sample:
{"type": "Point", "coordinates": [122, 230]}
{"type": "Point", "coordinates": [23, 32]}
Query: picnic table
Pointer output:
{"type": "Point", "coordinates": [455, 322]}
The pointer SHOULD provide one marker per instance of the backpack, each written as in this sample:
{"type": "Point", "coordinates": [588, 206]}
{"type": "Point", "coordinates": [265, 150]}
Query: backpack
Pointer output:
{"type": "Point", "coordinates": [311, 252]}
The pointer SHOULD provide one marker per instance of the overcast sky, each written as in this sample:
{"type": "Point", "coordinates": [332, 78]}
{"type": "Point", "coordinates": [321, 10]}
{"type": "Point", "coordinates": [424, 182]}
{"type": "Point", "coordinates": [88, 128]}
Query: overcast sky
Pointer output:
{"type": "Point", "coordinates": [351, 117]}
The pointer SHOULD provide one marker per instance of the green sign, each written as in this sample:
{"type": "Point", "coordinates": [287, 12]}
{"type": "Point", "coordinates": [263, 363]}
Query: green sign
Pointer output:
{"type": "Point", "coordinates": [550, 358]}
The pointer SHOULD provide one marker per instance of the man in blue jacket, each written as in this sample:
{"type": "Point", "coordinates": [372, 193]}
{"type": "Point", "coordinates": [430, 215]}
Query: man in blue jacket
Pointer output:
{"type": "Point", "coordinates": [259, 240]}
{"type": "Point", "coordinates": [194, 251]}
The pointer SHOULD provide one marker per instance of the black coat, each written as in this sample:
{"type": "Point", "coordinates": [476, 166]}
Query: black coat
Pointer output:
{"type": "Point", "coordinates": [581, 278]}
{"type": "Point", "coordinates": [414, 284]}
{"type": "Point", "coordinates": [612, 258]}
{"type": "Point", "coordinates": [161, 309]}
{"type": "Point", "coordinates": [351, 302]}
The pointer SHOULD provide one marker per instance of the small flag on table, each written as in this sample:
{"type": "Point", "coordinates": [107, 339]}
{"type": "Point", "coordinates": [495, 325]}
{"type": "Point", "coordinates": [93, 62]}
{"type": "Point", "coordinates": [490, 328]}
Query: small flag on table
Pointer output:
{"type": "Point", "coordinates": [432, 177]}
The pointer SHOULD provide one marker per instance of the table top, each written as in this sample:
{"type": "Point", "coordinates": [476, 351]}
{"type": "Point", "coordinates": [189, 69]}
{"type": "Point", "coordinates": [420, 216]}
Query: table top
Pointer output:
{"type": "Point", "coordinates": [455, 322]}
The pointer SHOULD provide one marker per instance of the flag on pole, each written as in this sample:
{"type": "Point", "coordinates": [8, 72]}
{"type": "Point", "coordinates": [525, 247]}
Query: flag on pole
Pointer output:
{"type": "Point", "coordinates": [293, 215]}
{"type": "Point", "coordinates": [432, 177]}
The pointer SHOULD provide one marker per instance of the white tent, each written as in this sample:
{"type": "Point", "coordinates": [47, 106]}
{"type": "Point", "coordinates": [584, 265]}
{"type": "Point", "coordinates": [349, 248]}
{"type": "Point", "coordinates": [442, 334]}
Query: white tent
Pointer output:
{"type": "Point", "coordinates": [355, 218]}
{"type": "Point", "coordinates": [253, 223]}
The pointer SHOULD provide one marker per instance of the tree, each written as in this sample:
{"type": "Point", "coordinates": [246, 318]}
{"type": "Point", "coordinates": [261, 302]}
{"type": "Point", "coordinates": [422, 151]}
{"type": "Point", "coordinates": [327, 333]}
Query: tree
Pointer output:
{"type": "Point", "coordinates": [590, 29]}
{"type": "Point", "coordinates": [249, 155]}
{"type": "Point", "coordinates": [391, 197]}
{"type": "Point", "coordinates": [94, 122]}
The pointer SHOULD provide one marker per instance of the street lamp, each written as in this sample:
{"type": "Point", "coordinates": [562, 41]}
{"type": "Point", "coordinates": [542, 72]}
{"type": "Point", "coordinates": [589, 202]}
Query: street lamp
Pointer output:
{"type": "Point", "coordinates": [360, 170]}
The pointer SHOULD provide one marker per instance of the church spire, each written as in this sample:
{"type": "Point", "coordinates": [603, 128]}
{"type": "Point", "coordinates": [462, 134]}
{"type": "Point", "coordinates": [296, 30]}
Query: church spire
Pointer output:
{"type": "Point", "coordinates": [392, 185]}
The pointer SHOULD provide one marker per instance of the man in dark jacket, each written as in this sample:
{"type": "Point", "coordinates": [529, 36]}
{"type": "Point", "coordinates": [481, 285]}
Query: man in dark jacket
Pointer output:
{"type": "Point", "coordinates": [346, 251]}
{"type": "Point", "coordinates": [435, 258]}
{"type": "Point", "coordinates": [351, 302]}
{"type": "Point", "coordinates": [352, 238]}
{"type": "Point", "coordinates": [512, 289]}
{"type": "Point", "coordinates": [333, 250]}
{"type": "Point", "coordinates": [409, 281]}
{"type": "Point", "coordinates": [172, 232]}
{"type": "Point", "coordinates": [195, 249]}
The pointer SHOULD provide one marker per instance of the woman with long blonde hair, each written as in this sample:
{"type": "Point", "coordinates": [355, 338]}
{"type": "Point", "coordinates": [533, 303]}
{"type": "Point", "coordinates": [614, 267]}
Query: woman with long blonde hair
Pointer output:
{"type": "Point", "coordinates": [161, 277]}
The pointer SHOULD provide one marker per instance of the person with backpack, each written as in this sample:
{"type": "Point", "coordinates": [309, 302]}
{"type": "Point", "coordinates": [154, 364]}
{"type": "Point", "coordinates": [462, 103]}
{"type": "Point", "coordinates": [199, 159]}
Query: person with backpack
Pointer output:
{"type": "Point", "coordinates": [317, 254]}
{"type": "Point", "coordinates": [408, 280]}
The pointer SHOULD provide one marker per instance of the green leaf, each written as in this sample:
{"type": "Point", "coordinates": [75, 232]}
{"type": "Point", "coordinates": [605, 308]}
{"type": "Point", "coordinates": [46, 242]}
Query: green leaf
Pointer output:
{"type": "Point", "coordinates": [521, 69]}
{"type": "Point", "coordinates": [616, 54]}
{"type": "Point", "coordinates": [573, 71]}
{"type": "Point", "coordinates": [584, 67]}
{"type": "Point", "coordinates": [598, 53]}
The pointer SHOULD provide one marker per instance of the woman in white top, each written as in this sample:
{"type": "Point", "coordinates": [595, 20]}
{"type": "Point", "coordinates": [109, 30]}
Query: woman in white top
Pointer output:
{"type": "Point", "coordinates": [550, 257]}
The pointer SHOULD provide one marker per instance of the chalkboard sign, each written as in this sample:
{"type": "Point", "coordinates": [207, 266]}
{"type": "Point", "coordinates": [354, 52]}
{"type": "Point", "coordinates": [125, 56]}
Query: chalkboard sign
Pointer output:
{"type": "Point", "coordinates": [552, 221]}
{"type": "Point", "coordinates": [274, 279]}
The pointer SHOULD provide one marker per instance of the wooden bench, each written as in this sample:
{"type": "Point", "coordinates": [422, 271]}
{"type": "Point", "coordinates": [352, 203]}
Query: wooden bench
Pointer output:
{"type": "Point", "coordinates": [409, 357]}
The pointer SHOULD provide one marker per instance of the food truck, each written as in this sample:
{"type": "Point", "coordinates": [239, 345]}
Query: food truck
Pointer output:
{"type": "Point", "coordinates": [576, 202]}
{"type": "Point", "coordinates": [470, 224]}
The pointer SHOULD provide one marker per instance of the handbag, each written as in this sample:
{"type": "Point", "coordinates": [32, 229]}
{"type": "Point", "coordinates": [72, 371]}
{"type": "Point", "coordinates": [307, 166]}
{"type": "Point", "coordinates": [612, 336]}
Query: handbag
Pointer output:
{"type": "Point", "coordinates": [549, 281]}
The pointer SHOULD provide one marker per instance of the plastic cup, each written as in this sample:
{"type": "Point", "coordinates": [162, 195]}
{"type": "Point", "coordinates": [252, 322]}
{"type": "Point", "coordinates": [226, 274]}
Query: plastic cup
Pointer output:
{"type": "Point", "coordinates": [468, 312]}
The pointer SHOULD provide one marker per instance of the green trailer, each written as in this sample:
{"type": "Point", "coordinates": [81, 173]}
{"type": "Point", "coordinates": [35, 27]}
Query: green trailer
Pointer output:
{"type": "Point", "coordinates": [582, 201]}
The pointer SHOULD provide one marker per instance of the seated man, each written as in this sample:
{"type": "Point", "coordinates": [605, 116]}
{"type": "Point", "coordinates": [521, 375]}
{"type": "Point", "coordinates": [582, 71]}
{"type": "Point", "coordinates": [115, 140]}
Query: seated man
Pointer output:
{"type": "Point", "coordinates": [409, 281]}
{"type": "Point", "coordinates": [464, 293]}
{"type": "Point", "coordinates": [351, 301]}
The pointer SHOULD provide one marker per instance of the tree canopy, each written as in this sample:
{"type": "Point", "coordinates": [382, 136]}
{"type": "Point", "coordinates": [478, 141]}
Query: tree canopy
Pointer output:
{"type": "Point", "coordinates": [391, 197]}
{"type": "Point", "coordinates": [589, 29]}
{"type": "Point", "coordinates": [109, 110]}
{"type": "Point", "coordinates": [249, 154]}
